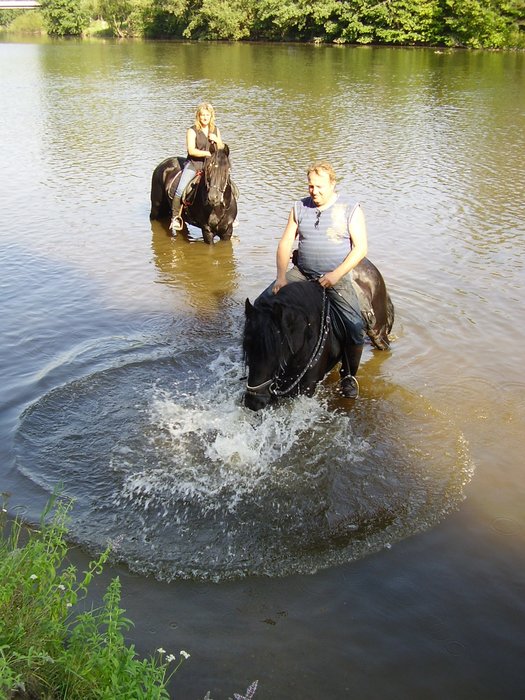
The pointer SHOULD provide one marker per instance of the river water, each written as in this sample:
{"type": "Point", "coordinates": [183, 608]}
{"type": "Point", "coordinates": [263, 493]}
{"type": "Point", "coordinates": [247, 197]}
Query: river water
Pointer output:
{"type": "Point", "coordinates": [371, 551]}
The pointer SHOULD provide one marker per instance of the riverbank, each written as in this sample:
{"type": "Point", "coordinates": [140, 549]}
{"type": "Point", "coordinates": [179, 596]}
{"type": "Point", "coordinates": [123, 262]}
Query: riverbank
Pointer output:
{"type": "Point", "coordinates": [424, 23]}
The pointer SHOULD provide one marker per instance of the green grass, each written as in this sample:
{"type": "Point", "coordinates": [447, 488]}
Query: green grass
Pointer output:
{"type": "Point", "coordinates": [47, 651]}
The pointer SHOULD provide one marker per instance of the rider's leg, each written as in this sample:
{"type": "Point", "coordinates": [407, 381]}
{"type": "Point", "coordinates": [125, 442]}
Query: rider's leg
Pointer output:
{"type": "Point", "coordinates": [344, 299]}
{"type": "Point", "coordinates": [176, 218]}
{"type": "Point", "coordinates": [348, 385]}
{"type": "Point", "coordinates": [351, 359]}
{"type": "Point", "coordinates": [176, 206]}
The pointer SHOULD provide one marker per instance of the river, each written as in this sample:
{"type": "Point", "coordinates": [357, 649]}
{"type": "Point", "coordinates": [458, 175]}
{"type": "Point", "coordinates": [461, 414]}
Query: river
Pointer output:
{"type": "Point", "coordinates": [122, 375]}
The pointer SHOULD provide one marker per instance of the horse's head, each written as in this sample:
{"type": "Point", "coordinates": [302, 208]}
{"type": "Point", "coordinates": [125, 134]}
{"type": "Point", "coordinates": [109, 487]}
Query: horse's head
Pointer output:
{"type": "Point", "coordinates": [281, 342]}
{"type": "Point", "coordinates": [261, 348]}
{"type": "Point", "coordinates": [217, 175]}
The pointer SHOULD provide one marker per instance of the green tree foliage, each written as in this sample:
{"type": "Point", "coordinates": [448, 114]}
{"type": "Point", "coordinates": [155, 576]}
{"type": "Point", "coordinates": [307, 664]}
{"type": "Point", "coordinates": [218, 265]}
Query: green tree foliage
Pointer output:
{"type": "Point", "coordinates": [23, 21]}
{"type": "Point", "coordinates": [467, 23]}
{"type": "Point", "coordinates": [220, 19]}
{"type": "Point", "coordinates": [7, 16]}
{"type": "Point", "coordinates": [124, 17]}
{"type": "Point", "coordinates": [167, 18]}
{"type": "Point", "coordinates": [477, 23]}
{"type": "Point", "coordinates": [402, 21]}
{"type": "Point", "coordinates": [64, 17]}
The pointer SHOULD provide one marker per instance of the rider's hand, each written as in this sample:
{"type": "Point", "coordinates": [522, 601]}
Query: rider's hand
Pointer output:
{"type": "Point", "coordinates": [329, 279]}
{"type": "Point", "coordinates": [279, 284]}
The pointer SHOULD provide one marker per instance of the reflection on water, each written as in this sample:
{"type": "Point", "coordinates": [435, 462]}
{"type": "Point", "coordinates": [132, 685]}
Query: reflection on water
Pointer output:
{"type": "Point", "coordinates": [206, 275]}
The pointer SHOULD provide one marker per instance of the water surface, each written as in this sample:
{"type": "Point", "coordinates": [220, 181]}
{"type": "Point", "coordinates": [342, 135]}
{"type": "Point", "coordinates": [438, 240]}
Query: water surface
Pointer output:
{"type": "Point", "coordinates": [375, 551]}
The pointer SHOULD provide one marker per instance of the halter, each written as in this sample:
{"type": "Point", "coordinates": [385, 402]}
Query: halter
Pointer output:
{"type": "Point", "coordinates": [274, 383]}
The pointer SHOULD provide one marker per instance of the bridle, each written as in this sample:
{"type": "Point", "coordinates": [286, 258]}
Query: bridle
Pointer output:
{"type": "Point", "coordinates": [209, 187]}
{"type": "Point", "coordinates": [276, 384]}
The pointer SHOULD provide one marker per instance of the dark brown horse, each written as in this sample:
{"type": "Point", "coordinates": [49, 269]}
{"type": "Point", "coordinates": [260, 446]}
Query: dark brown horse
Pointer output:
{"type": "Point", "coordinates": [211, 203]}
{"type": "Point", "coordinates": [290, 342]}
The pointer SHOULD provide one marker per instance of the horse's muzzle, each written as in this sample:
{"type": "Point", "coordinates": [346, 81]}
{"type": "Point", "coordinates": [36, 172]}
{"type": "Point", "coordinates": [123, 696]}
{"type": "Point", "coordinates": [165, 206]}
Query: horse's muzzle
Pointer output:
{"type": "Point", "coordinates": [257, 400]}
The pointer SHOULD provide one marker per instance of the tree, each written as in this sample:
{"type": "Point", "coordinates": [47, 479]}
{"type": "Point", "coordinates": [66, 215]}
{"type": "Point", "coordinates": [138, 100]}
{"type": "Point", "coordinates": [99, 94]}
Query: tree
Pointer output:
{"type": "Point", "coordinates": [124, 17]}
{"type": "Point", "coordinates": [64, 17]}
{"type": "Point", "coordinates": [477, 23]}
{"type": "Point", "coordinates": [221, 19]}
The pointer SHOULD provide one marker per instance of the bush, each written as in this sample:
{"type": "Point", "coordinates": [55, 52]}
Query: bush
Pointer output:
{"type": "Point", "coordinates": [28, 22]}
{"type": "Point", "coordinates": [46, 651]}
{"type": "Point", "coordinates": [64, 17]}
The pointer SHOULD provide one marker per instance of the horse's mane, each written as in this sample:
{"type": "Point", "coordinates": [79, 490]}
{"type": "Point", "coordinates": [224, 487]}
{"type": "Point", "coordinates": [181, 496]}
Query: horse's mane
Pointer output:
{"type": "Point", "coordinates": [301, 296]}
{"type": "Point", "coordinates": [217, 166]}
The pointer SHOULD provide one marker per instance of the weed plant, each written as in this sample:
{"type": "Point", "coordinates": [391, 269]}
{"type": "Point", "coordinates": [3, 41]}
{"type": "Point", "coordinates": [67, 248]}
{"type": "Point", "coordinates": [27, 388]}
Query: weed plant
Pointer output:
{"type": "Point", "coordinates": [49, 652]}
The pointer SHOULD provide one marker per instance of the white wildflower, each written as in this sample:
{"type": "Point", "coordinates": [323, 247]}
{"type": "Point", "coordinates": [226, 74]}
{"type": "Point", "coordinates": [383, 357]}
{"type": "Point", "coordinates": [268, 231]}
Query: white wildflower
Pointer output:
{"type": "Point", "coordinates": [33, 577]}
{"type": "Point", "coordinates": [61, 587]}
{"type": "Point", "coordinates": [69, 605]}
{"type": "Point", "coordinates": [170, 658]}
{"type": "Point", "coordinates": [185, 654]}
{"type": "Point", "coordinates": [161, 650]}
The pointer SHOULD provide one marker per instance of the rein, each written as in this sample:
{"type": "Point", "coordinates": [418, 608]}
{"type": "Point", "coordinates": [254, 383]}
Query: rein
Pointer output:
{"type": "Point", "coordinates": [274, 383]}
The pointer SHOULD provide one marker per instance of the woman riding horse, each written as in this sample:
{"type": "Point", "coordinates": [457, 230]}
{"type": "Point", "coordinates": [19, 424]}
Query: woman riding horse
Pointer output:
{"type": "Point", "coordinates": [199, 138]}
{"type": "Point", "coordinates": [212, 203]}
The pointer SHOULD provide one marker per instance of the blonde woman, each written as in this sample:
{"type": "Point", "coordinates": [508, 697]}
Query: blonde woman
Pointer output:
{"type": "Point", "coordinates": [199, 138]}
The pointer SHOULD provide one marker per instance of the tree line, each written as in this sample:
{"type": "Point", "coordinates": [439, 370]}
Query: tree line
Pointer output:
{"type": "Point", "coordinates": [455, 23]}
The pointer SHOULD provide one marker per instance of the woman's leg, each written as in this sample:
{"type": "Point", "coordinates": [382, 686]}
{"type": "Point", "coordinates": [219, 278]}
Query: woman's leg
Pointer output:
{"type": "Point", "coordinates": [176, 206]}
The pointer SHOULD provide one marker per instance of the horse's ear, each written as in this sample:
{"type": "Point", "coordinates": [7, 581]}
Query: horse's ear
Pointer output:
{"type": "Point", "coordinates": [226, 149]}
{"type": "Point", "coordinates": [248, 308]}
{"type": "Point", "coordinates": [213, 147]}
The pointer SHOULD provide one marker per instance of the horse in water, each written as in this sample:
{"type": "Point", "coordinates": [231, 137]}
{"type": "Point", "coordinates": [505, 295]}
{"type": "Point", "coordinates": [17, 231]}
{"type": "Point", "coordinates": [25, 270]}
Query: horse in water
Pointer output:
{"type": "Point", "coordinates": [210, 200]}
{"type": "Point", "coordinates": [290, 341]}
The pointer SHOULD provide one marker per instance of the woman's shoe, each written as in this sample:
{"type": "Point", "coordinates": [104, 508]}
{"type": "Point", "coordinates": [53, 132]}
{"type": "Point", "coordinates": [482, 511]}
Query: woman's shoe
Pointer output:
{"type": "Point", "coordinates": [176, 224]}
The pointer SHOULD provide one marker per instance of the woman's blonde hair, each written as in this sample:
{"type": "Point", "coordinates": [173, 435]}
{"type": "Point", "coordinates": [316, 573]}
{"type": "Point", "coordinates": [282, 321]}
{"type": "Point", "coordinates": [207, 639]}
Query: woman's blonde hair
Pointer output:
{"type": "Point", "coordinates": [207, 106]}
{"type": "Point", "coordinates": [322, 167]}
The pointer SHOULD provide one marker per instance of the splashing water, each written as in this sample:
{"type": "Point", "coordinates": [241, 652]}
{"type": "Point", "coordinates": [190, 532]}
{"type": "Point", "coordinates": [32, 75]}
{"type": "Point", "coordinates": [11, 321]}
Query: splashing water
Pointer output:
{"type": "Point", "coordinates": [168, 466]}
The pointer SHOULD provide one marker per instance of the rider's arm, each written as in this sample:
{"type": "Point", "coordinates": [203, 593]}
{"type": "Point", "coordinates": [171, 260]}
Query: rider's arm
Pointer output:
{"type": "Point", "coordinates": [357, 231]}
{"type": "Point", "coordinates": [284, 251]}
{"type": "Point", "coordinates": [193, 151]}
{"type": "Point", "coordinates": [216, 137]}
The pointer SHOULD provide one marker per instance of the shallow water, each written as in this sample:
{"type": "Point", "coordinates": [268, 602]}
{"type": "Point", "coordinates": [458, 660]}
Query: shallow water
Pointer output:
{"type": "Point", "coordinates": [122, 372]}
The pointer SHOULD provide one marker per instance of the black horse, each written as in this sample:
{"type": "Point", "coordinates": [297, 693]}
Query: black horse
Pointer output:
{"type": "Point", "coordinates": [211, 203]}
{"type": "Point", "coordinates": [290, 342]}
